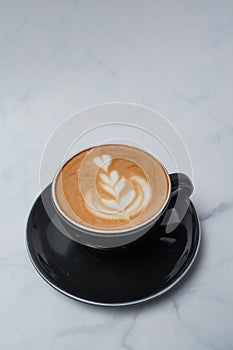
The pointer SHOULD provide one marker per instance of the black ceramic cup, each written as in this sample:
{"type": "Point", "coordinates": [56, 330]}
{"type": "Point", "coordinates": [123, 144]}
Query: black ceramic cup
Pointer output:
{"type": "Point", "coordinates": [180, 188]}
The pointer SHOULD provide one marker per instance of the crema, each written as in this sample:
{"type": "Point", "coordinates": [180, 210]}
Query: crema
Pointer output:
{"type": "Point", "coordinates": [111, 187]}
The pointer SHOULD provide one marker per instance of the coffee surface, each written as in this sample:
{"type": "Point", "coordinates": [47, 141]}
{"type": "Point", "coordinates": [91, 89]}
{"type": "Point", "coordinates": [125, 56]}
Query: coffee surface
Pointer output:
{"type": "Point", "coordinates": [111, 187]}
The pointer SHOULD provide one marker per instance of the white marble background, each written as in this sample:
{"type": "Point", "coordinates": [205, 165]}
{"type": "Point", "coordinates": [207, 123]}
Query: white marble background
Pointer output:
{"type": "Point", "coordinates": [58, 56]}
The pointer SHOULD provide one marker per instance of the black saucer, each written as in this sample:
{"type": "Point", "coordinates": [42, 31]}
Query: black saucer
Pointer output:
{"type": "Point", "coordinates": [123, 276]}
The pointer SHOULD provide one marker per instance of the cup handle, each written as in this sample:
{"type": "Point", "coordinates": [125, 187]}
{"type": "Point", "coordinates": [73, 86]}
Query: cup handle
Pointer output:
{"type": "Point", "coordinates": [181, 188]}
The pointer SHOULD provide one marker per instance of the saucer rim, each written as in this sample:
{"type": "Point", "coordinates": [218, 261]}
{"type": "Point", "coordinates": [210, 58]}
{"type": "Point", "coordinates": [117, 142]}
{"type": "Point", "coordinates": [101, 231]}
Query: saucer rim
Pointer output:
{"type": "Point", "coordinates": [126, 303]}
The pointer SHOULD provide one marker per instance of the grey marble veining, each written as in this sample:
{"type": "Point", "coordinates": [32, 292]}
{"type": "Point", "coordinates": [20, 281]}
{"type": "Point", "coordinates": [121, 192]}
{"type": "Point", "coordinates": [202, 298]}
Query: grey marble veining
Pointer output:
{"type": "Point", "coordinates": [58, 57]}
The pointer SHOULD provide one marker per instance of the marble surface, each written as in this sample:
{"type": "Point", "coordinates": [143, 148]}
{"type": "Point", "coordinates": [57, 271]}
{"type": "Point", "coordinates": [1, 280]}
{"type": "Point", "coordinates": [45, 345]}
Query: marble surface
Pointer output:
{"type": "Point", "coordinates": [174, 56]}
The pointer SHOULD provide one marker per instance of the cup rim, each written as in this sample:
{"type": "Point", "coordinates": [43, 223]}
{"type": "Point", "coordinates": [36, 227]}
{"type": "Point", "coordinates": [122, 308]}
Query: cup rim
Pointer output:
{"type": "Point", "coordinates": [93, 230]}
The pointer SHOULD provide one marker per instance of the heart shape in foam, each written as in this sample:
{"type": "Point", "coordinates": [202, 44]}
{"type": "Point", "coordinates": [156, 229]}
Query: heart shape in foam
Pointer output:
{"type": "Point", "coordinates": [125, 203]}
{"type": "Point", "coordinates": [103, 161]}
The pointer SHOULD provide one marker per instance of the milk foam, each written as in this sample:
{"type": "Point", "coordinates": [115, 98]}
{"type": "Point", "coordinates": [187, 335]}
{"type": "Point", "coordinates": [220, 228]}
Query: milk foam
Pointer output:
{"type": "Point", "coordinates": [111, 187]}
{"type": "Point", "coordinates": [129, 197]}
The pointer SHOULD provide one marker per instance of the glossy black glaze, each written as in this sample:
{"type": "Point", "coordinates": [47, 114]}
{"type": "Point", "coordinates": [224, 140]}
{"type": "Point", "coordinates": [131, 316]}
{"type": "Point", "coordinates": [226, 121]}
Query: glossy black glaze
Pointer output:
{"type": "Point", "coordinates": [122, 275]}
{"type": "Point", "coordinates": [181, 188]}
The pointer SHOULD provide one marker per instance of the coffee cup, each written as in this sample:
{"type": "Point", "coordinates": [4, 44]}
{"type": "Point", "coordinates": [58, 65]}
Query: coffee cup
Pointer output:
{"type": "Point", "coordinates": [110, 195]}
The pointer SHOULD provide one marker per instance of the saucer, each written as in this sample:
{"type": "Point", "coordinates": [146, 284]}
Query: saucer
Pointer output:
{"type": "Point", "coordinates": [127, 275]}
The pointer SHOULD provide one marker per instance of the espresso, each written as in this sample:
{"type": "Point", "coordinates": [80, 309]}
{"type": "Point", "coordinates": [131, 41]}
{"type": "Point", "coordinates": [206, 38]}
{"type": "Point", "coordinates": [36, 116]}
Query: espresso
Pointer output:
{"type": "Point", "coordinates": [111, 187]}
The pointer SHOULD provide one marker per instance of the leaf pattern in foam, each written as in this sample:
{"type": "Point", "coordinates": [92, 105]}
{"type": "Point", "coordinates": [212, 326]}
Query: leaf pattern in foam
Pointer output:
{"type": "Point", "coordinates": [126, 201]}
{"type": "Point", "coordinates": [120, 186]}
{"type": "Point", "coordinates": [109, 189]}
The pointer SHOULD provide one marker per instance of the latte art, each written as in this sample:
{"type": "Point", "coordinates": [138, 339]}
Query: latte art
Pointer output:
{"type": "Point", "coordinates": [128, 196]}
{"type": "Point", "coordinates": [111, 187]}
